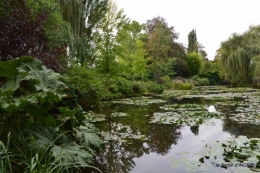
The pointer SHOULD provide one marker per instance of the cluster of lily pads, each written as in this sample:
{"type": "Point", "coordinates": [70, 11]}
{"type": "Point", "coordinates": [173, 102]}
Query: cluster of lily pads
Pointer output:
{"type": "Point", "coordinates": [139, 101]}
{"type": "Point", "coordinates": [183, 107]}
{"type": "Point", "coordinates": [240, 151]}
{"type": "Point", "coordinates": [188, 118]}
{"type": "Point", "coordinates": [232, 103]}
{"type": "Point", "coordinates": [249, 118]}
{"type": "Point", "coordinates": [94, 117]}
{"type": "Point", "coordinates": [232, 153]}
{"type": "Point", "coordinates": [121, 134]}
{"type": "Point", "coordinates": [119, 114]}
{"type": "Point", "coordinates": [219, 96]}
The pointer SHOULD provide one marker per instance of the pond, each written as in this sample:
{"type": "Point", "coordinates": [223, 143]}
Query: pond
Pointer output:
{"type": "Point", "coordinates": [210, 129]}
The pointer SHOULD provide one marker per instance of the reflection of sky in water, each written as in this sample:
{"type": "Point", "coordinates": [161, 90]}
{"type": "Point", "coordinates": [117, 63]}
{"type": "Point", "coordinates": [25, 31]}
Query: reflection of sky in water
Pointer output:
{"type": "Point", "coordinates": [192, 140]}
{"type": "Point", "coordinates": [154, 163]}
{"type": "Point", "coordinates": [211, 108]}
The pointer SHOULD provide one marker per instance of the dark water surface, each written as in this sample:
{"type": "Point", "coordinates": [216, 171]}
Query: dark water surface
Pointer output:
{"type": "Point", "coordinates": [162, 142]}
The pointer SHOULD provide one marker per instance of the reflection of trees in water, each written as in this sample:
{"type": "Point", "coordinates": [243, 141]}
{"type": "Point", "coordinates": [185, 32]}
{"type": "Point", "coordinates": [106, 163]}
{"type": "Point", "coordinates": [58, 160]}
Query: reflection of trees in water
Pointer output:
{"type": "Point", "coordinates": [236, 129]}
{"type": "Point", "coordinates": [161, 137]}
{"type": "Point", "coordinates": [118, 157]}
{"type": "Point", "coordinates": [195, 130]}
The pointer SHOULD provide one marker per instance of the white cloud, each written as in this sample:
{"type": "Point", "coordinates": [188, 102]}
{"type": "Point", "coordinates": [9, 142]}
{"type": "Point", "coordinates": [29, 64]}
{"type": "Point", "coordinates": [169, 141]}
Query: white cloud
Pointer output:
{"type": "Point", "coordinates": [214, 20]}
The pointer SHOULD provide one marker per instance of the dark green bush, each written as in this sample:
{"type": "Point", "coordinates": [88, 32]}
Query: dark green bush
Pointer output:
{"type": "Point", "coordinates": [88, 83]}
{"type": "Point", "coordinates": [138, 87]}
{"type": "Point", "coordinates": [124, 86]}
{"type": "Point", "coordinates": [200, 81]}
{"type": "Point", "coordinates": [167, 82]}
{"type": "Point", "coordinates": [156, 88]}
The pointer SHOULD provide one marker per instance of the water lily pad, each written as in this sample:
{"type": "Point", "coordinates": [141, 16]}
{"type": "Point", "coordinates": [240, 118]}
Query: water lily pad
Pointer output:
{"type": "Point", "coordinates": [119, 114]}
{"type": "Point", "coordinates": [188, 118]}
{"type": "Point", "coordinates": [94, 117]}
{"type": "Point", "coordinates": [139, 101]}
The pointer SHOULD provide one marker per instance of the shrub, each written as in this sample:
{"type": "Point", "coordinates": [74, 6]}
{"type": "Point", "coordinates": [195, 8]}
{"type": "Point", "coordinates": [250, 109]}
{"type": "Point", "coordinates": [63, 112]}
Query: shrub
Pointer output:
{"type": "Point", "coordinates": [179, 85]}
{"type": "Point", "coordinates": [203, 82]}
{"type": "Point", "coordinates": [124, 86]}
{"type": "Point", "coordinates": [138, 87]}
{"type": "Point", "coordinates": [88, 83]}
{"type": "Point", "coordinates": [155, 88]}
{"type": "Point", "coordinates": [200, 81]}
{"type": "Point", "coordinates": [167, 82]}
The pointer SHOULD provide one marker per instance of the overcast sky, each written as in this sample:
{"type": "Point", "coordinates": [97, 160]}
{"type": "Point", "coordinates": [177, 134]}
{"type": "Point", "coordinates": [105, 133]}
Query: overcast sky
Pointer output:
{"type": "Point", "coordinates": [213, 20]}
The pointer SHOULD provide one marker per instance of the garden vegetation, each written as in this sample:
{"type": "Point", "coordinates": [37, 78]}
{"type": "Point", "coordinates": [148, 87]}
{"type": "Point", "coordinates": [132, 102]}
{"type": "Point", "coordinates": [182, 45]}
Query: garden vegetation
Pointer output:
{"type": "Point", "coordinates": [59, 58]}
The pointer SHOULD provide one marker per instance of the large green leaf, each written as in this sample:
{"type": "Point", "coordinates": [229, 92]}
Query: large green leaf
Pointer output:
{"type": "Point", "coordinates": [46, 79]}
{"type": "Point", "coordinates": [88, 136]}
{"type": "Point", "coordinates": [29, 87]}
{"type": "Point", "coordinates": [7, 68]}
{"type": "Point", "coordinates": [61, 144]}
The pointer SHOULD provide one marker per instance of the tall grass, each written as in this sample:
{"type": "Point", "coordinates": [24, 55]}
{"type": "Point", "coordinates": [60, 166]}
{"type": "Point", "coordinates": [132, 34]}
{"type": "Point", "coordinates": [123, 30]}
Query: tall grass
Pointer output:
{"type": "Point", "coordinates": [25, 158]}
{"type": "Point", "coordinates": [5, 164]}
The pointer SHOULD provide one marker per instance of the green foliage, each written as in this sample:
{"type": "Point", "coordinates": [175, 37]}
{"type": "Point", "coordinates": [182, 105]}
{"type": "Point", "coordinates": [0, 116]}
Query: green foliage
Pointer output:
{"type": "Point", "coordinates": [200, 81]}
{"type": "Point", "coordinates": [124, 86]}
{"type": "Point", "coordinates": [74, 117]}
{"type": "Point", "coordinates": [5, 155]}
{"type": "Point", "coordinates": [138, 87]}
{"type": "Point", "coordinates": [212, 76]}
{"type": "Point", "coordinates": [88, 83]}
{"type": "Point", "coordinates": [167, 82]}
{"type": "Point", "coordinates": [238, 56]}
{"type": "Point", "coordinates": [41, 149]}
{"type": "Point", "coordinates": [179, 85]}
{"type": "Point", "coordinates": [161, 47]}
{"type": "Point", "coordinates": [105, 39]}
{"type": "Point", "coordinates": [82, 17]}
{"type": "Point", "coordinates": [155, 88]}
{"type": "Point", "coordinates": [28, 89]}
{"type": "Point", "coordinates": [131, 55]}
{"type": "Point", "coordinates": [181, 68]}
{"type": "Point", "coordinates": [192, 38]}
{"type": "Point", "coordinates": [195, 63]}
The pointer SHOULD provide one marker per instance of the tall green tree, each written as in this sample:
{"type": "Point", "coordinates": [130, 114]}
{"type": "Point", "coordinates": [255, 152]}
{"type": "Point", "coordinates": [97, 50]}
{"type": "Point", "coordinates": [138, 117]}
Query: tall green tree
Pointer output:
{"type": "Point", "coordinates": [105, 38]}
{"type": "Point", "coordinates": [192, 42]}
{"type": "Point", "coordinates": [132, 55]}
{"type": "Point", "coordinates": [194, 45]}
{"type": "Point", "coordinates": [195, 63]}
{"type": "Point", "coordinates": [161, 47]}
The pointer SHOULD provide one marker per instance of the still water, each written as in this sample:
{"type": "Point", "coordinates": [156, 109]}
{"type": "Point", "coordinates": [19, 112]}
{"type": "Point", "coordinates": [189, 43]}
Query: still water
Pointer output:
{"type": "Point", "coordinates": [162, 145]}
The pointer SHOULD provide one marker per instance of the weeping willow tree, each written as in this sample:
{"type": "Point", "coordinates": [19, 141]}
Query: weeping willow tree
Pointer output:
{"type": "Point", "coordinates": [256, 69]}
{"type": "Point", "coordinates": [238, 56]}
{"type": "Point", "coordinates": [83, 17]}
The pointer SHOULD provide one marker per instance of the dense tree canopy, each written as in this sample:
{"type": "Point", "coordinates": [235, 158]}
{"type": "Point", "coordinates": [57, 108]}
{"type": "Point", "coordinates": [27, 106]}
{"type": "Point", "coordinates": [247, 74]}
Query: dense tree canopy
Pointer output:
{"type": "Point", "coordinates": [195, 63]}
{"type": "Point", "coordinates": [105, 38]}
{"type": "Point", "coordinates": [83, 17]}
{"type": "Point", "coordinates": [238, 56]}
{"type": "Point", "coordinates": [26, 29]}
{"type": "Point", "coordinates": [132, 54]}
{"type": "Point", "coordinates": [192, 41]}
{"type": "Point", "coordinates": [161, 47]}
